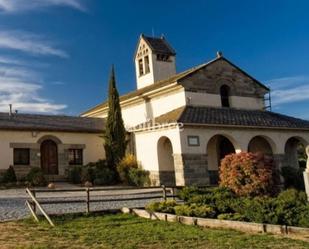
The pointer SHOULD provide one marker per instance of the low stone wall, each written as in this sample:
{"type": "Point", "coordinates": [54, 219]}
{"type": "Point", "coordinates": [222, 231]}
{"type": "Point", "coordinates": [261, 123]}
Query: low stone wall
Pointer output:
{"type": "Point", "coordinates": [222, 224]}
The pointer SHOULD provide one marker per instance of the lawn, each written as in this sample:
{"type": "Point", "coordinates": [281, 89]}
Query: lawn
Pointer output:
{"type": "Point", "coordinates": [127, 231]}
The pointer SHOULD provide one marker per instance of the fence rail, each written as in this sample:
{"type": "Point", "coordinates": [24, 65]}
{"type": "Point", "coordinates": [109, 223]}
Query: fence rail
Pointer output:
{"type": "Point", "coordinates": [89, 197]}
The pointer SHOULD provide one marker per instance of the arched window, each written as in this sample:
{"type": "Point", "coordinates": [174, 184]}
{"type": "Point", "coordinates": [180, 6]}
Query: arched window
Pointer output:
{"type": "Point", "coordinates": [224, 92]}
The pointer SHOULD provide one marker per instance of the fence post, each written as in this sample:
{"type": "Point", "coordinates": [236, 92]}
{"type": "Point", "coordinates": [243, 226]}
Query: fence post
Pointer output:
{"type": "Point", "coordinates": [34, 205]}
{"type": "Point", "coordinates": [173, 193]}
{"type": "Point", "coordinates": [164, 192]}
{"type": "Point", "coordinates": [87, 201]}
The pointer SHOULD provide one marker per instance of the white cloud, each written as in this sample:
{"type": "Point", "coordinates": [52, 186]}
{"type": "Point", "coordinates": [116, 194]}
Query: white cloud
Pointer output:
{"type": "Point", "coordinates": [289, 89]}
{"type": "Point", "coordinates": [11, 61]}
{"type": "Point", "coordinates": [13, 6]}
{"type": "Point", "coordinates": [19, 86]}
{"type": "Point", "coordinates": [29, 43]}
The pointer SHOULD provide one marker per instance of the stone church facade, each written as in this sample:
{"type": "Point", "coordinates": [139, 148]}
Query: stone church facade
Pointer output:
{"type": "Point", "coordinates": [183, 124]}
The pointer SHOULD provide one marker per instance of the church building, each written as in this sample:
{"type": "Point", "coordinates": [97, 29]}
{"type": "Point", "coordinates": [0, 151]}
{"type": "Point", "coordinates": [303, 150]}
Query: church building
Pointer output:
{"type": "Point", "coordinates": [183, 124]}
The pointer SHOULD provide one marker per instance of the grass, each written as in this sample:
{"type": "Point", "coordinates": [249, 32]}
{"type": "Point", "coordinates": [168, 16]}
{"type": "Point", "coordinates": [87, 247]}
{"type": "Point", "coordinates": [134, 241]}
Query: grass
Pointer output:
{"type": "Point", "coordinates": [127, 231]}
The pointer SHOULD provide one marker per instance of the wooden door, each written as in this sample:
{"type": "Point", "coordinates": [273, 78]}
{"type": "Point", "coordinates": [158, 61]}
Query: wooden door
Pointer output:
{"type": "Point", "coordinates": [49, 157]}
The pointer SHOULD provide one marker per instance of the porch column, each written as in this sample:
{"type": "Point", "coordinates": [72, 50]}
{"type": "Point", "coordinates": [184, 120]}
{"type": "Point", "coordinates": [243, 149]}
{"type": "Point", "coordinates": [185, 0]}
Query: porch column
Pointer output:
{"type": "Point", "coordinates": [306, 173]}
{"type": "Point", "coordinates": [191, 169]}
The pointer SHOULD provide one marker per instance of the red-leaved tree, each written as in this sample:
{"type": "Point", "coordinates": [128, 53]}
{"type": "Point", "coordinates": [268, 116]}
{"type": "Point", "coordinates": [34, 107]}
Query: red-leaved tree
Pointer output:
{"type": "Point", "coordinates": [247, 174]}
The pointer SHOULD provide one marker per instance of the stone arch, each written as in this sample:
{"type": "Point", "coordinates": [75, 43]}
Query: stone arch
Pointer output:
{"type": "Point", "coordinates": [294, 147]}
{"type": "Point", "coordinates": [166, 161]}
{"type": "Point", "coordinates": [49, 137]}
{"type": "Point", "coordinates": [262, 144]}
{"type": "Point", "coordinates": [225, 81]}
{"type": "Point", "coordinates": [218, 147]}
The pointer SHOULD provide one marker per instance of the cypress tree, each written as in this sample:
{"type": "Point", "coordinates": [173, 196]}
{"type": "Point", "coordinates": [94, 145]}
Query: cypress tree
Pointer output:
{"type": "Point", "coordinates": [115, 140]}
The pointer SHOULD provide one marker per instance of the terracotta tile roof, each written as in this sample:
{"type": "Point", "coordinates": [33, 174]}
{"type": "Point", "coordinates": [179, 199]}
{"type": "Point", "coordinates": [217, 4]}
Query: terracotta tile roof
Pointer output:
{"type": "Point", "coordinates": [159, 45]}
{"type": "Point", "coordinates": [213, 116]}
{"type": "Point", "coordinates": [36, 122]}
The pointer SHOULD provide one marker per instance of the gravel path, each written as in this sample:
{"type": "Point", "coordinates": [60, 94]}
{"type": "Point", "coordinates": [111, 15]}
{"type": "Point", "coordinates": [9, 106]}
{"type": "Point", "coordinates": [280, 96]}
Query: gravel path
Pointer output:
{"type": "Point", "coordinates": [12, 202]}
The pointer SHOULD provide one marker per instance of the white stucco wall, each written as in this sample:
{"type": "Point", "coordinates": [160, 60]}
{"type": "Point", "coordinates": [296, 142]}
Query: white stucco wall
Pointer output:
{"type": "Point", "coordinates": [146, 146]}
{"type": "Point", "coordinates": [246, 102]}
{"type": "Point", "coordinates": [148, 108]}
{"type": "Point", "coordinates": [214, 100]}
{"type": "Point", "coordinates": [240, 138]}
{"type": "Point", "coordinates": [93, 151]}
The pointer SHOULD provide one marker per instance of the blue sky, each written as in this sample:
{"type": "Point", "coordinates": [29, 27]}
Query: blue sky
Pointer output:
{"type": "Point", "coordinates": [55, 55]}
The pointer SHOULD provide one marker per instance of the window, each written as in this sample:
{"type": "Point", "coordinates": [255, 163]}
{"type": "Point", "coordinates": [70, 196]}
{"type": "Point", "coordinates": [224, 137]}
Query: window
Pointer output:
{"type": "Point", "coordinates": [140, 66]}
{"type": "Point", "coordinates": [75, 156]}
{"type": "Point", "coordinates": [162, 57]}
{"type": "Point", "coordinates": [193, 141]}
{"type": "Point", "coordinates": [147, 68]}
{"type": "Point", "coordinates": [224, 92]}
{"type": "Point", "coordinates": [21, 156]}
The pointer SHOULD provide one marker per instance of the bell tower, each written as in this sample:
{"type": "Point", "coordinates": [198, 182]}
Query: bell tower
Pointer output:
{"type": "Point", "coordinates": [155, 60]}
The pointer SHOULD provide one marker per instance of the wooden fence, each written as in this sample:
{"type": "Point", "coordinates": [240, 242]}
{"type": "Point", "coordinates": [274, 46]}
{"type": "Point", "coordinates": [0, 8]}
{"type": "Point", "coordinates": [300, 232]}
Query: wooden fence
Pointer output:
{"type": "Point", "coordinates": [34, 203]}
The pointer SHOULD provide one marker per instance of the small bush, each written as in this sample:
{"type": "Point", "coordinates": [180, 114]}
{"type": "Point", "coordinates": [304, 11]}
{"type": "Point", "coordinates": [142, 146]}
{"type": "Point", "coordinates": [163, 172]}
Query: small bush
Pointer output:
{"type": "Point", "coordinates": [87, 173]}
{"type": "Point", "coordinates": [74, 174]}
{"type": "Point", "coordinates": [259, 209]}
{"type": "Point", "coordinates": [188, 192]}
{"type": "Point", "coordinates": [153, 206]}
{"type": "Point", "coordinates": [163, 206]}
{"type": "Point", "coordinates": [104, 176]}
{"type": "Point", "coordinates": [195, 210]}
{"type": "Point", "coordinates": [130, 174]}
{"type": "Point", "coordinates": [36, 177]}
{"type": "Point", "coordinates": [303, 216]}
{"type": "Point", "coordinates": [9, 176]}
{"type": "Point", "coordinates": [124, 166]}
{"type": "Point", "coordinates": [221, 199]}
{"type": "Point", "coordinates": [97, 173]}
{"type": "Point", "coordinates": [290, 205]}
{"type": "Point", "coordinates": [247, 174]}
{"type": "Point", "coordinates": [293, 178]}
{"type": "Point", "coordinates": [138, 177]}
{"type": "Point", "coordinates": [232, 216]}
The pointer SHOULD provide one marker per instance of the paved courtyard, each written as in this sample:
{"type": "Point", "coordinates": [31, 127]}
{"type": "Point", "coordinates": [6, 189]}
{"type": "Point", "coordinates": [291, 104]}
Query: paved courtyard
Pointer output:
{"type": "Point", "coordinates": [12, 201]}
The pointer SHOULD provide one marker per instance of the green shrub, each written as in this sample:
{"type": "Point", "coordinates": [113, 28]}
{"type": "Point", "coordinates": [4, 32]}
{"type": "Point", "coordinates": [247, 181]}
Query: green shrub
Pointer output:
{"type": "Point", "coordinates": [130, 173]}
{"type": "Point", "coordinates": [195, 210]}
{"type": "Point", "coordinates": [220, 198]}
{"type": "Point", "coordinates": [259, 210]}
{"type": "Point", "coordinates": [96, 172]}
{"type": "Point", "coordinates": [153, 206]}
{"type": "Point", "coordinates": [74, 174]}
{"type": "Point", "coordinates": [290, 205]}
{"type": "Point", "coordinates": [36, 177]}
{"type": "Point", "coordinates": [303, 216]}
{"type": "Point", "coordinates": [124, 166]}
{"type": "Point", "coordinates": [188, 192]}
{"type": "Point", "coordinates": [293, 178]}
{"type": "Point", "coordinates": [138, 177]}
{"type": "Point", "coordinates": [232, 216]}
{"type": "Point", "coordinates": [104, 176]}
{"type": "Point", "coordinates": [9, 175]}
{"type": "Point", "coordinates": [163, 206]}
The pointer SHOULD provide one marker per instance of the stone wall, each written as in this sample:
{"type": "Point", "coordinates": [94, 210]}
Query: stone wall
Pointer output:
{"type": "Point", "coordinates": [191, 169]}
{"type": "Point", "coordinates": [166, 178]}
{"type": "Point", "coordinates": [212, 77]}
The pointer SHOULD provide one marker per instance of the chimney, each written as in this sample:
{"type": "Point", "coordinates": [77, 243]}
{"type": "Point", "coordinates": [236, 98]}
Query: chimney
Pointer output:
{"type": "Point", "coordinates": [10, 112]}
